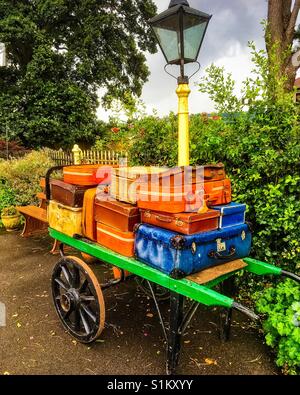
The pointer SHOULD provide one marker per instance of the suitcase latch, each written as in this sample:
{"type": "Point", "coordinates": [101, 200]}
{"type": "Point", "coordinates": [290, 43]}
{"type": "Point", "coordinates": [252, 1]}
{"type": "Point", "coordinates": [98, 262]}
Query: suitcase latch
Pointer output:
{"type": "Point", "coordinates": [179, 223]}
{"type": "Point", "coordinates": [147, 214]}
{"type": "Point", "coordinates": [221, 246]}
{"type": "Point", "coordinates": [194, 248]}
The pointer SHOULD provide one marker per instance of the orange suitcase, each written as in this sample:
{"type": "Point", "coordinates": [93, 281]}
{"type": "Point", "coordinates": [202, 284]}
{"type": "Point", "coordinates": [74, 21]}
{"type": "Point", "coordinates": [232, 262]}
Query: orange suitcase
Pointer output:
{"type": "Point", "coordinates": [116, 240]}
{"type": "Point", "coordinates": [186, 198]}
{"type": "Point", "coordinates": [88, 214]}
{"type": "Point", "coordinates": [217, 192]}
{"type": "Point", "coordinates": [87, 175]}
{"type": "Point", "coordinates": [171, 199]}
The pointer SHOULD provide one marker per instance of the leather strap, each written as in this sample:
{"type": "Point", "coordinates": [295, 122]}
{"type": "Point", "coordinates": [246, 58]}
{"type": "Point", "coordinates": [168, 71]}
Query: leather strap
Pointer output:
{"type": "Point", "coordinates": [88, 221]}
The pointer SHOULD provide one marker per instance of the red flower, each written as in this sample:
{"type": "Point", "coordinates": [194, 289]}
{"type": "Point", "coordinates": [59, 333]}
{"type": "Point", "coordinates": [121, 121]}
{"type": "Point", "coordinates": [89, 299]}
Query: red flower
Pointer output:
{"type": "Point", "coordinates": [115, 130]}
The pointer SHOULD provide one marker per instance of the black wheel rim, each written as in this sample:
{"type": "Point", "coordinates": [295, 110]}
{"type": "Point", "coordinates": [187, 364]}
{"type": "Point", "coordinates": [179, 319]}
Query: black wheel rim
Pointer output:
{"type": "Point", "coordinates": [76, 300]}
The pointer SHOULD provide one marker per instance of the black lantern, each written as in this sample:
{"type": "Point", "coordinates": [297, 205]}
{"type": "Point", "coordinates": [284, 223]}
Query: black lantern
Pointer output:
{"type": "Point", "coordinates": [180, 32]}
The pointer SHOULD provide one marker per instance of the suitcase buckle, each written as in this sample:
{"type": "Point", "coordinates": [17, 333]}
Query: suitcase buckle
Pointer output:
{"type": "Point", "coordinates": [147, 214]}
{"type": "Point", "coordinates": [221, 246]}
{"type": "Point", "coordinates": [194, 248]}
{"type": "Point", "coordinates": [179, 223]}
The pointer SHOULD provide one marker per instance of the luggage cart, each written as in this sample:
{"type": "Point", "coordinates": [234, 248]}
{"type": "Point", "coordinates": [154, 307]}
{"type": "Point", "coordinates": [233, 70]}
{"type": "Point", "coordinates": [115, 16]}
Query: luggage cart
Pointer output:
{"type": "Point", "coordinates": [79, 302]}
{"type": "Point", "coordinates": [78, 293]}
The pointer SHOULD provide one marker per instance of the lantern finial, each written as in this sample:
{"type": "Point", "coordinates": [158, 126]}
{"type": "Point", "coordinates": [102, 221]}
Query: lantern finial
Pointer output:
{"type": "Point", "coordinates": [173, 3]}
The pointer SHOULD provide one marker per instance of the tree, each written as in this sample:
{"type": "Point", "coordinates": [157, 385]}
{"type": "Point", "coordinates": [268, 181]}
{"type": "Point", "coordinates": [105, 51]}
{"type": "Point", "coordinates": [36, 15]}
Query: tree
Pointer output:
{"type": "Point", "coordinates": [282, 19]}
{"type": "Point", "coordinates": [60, 52]}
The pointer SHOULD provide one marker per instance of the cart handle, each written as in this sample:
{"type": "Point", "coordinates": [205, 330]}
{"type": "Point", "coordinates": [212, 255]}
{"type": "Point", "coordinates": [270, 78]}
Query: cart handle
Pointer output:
{"type": "Point", "coordinates": [291, 275]}
{"type": "Point", "coordinates": [245, 310]}
{"type": "Point", "coordinates": [262, 269]}
{"type": "Point", "coordinates": [47, 180]}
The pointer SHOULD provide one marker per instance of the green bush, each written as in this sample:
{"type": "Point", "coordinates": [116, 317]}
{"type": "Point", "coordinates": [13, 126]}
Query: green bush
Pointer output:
{"type": "Point", "coordinates": [281, 309]}
{"type": "Point", "coordinates": [154, 141]}
{"type": "Point", "coordinates": [7, 196]}
{"type": "Point", "coordinates": [261, 153]}
{"type": "Point", "coordinates": [20, 178]}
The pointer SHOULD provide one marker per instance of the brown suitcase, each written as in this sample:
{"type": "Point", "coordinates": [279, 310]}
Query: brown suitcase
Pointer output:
{"type": "Point", "coordinates": [67, 194]}
{"type": "Point", "coordinates": [183, 175]}
{"type": "Point", "coordinates": [119, 215]}
{"type": "Point", "coordinates": [185, 223]}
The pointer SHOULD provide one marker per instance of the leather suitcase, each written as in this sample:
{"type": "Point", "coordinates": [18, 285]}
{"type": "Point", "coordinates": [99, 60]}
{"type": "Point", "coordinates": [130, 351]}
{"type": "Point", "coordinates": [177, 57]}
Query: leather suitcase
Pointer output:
{"type": "Point", "coordinates": [88, 214]}
{"type": "Point", "coordinates": [171, 199]}
{"type": "Point", "coordinates": [231, 214]}
{"type": "Point", "coordinates": [179, 255]}
{"type": "Point", "coordinates": [125, 182]}
{"type": "Point", "coordinates": [185, 223]}
{"type": "Point", "coordinates": [119, 215]}
{"type": "Point", "coordinates": [116, 240]}
{"type": "Point", "coordinates": [184, 189]}
{"type": "Point", "coordinates": [87, 175]}
{"type": "Point", "coordinates": [64, 219]}
{"type": "Point", "coordinates": [217, 192]}
{"type": "Point", "coordinates": [67, 194]}
{"type": "Point", "coordinates": [183, 175]}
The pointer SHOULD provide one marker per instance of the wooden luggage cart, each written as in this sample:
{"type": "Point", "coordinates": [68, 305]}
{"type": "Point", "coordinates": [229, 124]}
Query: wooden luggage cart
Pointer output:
{"type": "Point", "coordinates": [79, 301]}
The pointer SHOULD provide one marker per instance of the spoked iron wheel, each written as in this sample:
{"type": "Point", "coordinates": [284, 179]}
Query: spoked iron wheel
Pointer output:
{"type": "Point", "coordinates": [161, 293]}
{"type": "Point", "coordinates": [78, 299]}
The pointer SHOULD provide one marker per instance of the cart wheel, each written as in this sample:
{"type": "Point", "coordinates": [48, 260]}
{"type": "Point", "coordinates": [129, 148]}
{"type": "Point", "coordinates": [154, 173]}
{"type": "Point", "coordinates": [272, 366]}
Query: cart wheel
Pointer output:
{"type": "Point", "coordinates": [78, 299]}
{"type": "Point", "coordinates": [161, 293]}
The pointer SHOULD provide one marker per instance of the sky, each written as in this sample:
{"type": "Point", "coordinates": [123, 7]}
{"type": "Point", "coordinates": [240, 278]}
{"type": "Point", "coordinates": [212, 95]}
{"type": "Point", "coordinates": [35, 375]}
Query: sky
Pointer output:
{"type": "Point", "coordinates": [233, 24]}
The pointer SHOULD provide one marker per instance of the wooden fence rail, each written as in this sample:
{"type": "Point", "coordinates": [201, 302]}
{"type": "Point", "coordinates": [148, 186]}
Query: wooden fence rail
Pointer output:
{"type": "Point", "coordinates": [78, 156]}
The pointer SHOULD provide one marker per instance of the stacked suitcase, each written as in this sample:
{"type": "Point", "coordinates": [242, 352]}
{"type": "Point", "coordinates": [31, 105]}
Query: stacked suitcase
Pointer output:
{"type": "Point", "coordinates": [178, 220]}
{"type": "Point", "coordinates": [117, 213]}
{"type": "Point", "coordinates": [193, 232]}
{"type": "Point", "coordinates": [72, 198]}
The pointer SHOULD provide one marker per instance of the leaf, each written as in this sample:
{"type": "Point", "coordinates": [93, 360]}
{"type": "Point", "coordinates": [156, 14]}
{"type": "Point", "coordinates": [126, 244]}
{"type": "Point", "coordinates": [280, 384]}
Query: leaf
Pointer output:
{"type": "Point", "coordinates": [210, 361]}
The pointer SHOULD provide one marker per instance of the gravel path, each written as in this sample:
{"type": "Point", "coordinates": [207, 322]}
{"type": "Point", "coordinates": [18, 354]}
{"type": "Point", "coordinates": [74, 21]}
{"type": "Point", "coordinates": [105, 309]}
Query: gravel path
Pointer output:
{"type": "Point", "coordinates": [34, 342]}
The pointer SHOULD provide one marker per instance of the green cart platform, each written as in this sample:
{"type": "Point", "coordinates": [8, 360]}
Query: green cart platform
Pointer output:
{"type": "Point", "coordinates": [79, 301]}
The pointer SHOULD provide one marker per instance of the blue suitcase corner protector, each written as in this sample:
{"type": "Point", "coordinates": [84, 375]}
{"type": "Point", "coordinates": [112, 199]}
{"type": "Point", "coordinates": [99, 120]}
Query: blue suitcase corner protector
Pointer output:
{"type": "Point", "coordinates": [231, 214]}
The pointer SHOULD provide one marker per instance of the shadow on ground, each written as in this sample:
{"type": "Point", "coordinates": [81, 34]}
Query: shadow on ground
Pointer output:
{"type": "Point", "coordinates": [34, 341]}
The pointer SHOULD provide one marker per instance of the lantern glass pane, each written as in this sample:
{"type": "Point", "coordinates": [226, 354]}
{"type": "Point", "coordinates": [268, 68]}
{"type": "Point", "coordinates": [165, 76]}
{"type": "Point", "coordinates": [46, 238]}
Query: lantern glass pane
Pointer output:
{"type": "Point", "coordinates": [167, 33]}
{"type": "Point", "coordinates": [193, 33]}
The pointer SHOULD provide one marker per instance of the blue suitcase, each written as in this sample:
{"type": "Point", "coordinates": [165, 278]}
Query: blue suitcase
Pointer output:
{"type": "Point", "coordinates": [231, 214]}
{"type": "Point", "coordinates": [179, 255]}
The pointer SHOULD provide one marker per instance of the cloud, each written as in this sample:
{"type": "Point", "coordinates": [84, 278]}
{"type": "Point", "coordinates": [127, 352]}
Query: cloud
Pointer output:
{"type": "Point", "coordinates": [234, 23]}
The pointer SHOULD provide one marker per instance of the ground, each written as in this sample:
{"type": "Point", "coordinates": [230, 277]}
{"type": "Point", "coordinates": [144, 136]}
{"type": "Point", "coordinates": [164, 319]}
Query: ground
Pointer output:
{"type": "Point", "coordinates": [34, 341]}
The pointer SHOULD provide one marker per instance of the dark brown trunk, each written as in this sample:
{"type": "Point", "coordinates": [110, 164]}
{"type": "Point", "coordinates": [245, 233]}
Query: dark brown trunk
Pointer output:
{"type": "Point", "coordinates": [282, 17]}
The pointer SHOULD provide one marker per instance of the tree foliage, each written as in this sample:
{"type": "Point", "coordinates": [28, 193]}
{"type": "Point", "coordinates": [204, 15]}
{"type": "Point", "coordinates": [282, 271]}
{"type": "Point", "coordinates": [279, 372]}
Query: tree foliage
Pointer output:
{"type": "Point", "coordinates": [59, 53]}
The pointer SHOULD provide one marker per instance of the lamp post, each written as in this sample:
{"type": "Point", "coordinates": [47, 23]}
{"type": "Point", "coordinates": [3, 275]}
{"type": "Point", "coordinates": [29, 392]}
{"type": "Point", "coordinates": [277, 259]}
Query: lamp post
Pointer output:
{"type": "Point", "coordinates": [180, 31]}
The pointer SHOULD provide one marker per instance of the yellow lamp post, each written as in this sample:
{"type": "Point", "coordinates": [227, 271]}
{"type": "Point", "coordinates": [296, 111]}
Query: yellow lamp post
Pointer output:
{"type": "Point", "coordinates": [180, 31]}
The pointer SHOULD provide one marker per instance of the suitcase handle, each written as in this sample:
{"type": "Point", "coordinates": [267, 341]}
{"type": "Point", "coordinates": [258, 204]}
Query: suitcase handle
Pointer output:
{"type": "Point", "coordinates": [163, 219]}
{"type": "Point", "coordinates": [217, 255]}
